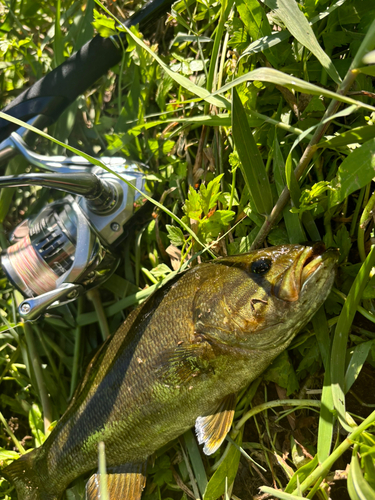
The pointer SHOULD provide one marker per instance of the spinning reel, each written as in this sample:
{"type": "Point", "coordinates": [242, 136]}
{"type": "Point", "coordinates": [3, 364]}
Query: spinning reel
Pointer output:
{"type": "Point", "coordinates": [69, 246]}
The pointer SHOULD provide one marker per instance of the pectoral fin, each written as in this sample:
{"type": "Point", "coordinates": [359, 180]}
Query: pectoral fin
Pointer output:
{"type": "Point", "coordinates": [187, 360]}
{"type": "Point", "coordinates": [124, 482]}
{"type": "Point", "coordinates": [212, 429]}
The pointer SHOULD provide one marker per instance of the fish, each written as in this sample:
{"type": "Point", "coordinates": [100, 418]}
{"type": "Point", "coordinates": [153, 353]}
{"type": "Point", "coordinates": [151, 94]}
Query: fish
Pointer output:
{"type": "Point", "coordinates": [177, 361]}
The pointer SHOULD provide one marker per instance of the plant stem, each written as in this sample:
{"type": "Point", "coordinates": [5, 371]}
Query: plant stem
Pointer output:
{"type": "Point", "coordinates": [37, 366]}
{"type": "Point", "coordinates": [94, 296]}
{"type": "Point", "coordinates": [356, 212]}
{"type": "Point", "coordinates": [274, 404]}
{"type": "Point", "coordinates": [50, 360]}
{"type": "Point", "coordinates": [77, 351]}
{"type": "Point", "coordinates": [323, 468]}
{"type": "Point", "coordinates": [363, 223]}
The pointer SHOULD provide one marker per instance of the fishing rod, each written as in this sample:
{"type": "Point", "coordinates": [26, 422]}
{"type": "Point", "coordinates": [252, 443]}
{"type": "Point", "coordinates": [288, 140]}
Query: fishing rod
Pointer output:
{"type": "Point", "coordinates": [70, 246]}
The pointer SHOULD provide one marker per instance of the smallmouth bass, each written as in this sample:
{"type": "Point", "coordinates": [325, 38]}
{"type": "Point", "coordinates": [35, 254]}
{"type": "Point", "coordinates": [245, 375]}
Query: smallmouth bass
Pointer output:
{"type": "Point", "coordinates": [178, 360]}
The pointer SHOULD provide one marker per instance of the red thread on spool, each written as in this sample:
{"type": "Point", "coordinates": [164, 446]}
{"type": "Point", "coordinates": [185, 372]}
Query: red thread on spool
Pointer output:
{"type": "Point", "coordinates": [30, 267]}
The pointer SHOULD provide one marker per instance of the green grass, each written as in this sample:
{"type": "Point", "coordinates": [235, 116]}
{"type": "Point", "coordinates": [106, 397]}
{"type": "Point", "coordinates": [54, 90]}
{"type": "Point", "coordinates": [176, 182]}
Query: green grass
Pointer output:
{"type": "Point", "coordinates": [257, 121]}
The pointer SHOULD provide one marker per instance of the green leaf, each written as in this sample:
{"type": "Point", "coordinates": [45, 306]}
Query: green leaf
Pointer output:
{"type": "Point", "coordinates": [353, 136]}
{"type": "Point", "coordinates": [295, 194]}
{"type": "Point", "coordinates": [120, 286]}
{"type": "Point", "coordinates": [266, 42]}
{"type": "Point", "coordinates": [350, 485]}
{"type": "Point", "coordinates": [253, 17]}
{"type": "Point", "coordinates": [183, 37]}
{"type": "Point", "coordinates": [299, 27]}
{"type": "Point", "coordinates": [302, 473]}
{"type": "Point", "coordinates": [192, 207]}
{"type": "Point", "coordinates": [293, 225]}
{"type": "Point", "coordinates": [210, 194]}
{"type": "Point", "coordinates": [290, 82]}
{"type": "Point", "coordinates": [362, 489]}
{"type": "Point", "coordinates": [180, 79]}
{"type": "Point", "coordinates": [36, 424]}
{"type": "Point", "coordinates": [175, 235]}
{"type": "Point", "coordinates": [326, 418]}
{"type": "Point", "coordinates": [226, 472]}
{"type": "Point", "coordinates": [358, 356]}
{"type": "Point", "coordinates": [196, 460]}
{"type": "Point", "coordinates": [355, 172]}
{"type": "Point", "coordinates": [161, 270]}
{"type": "Point", "coordinates": [220, 120]}
{"type": "Point", "coordinates": [14, 167]}
{"type": "Point", "coordinates": [280, 494]}
{"type": "Point", "coordinates": [162, 471]}
{"type": "Point", "coordinates": [291, 181]}
{"type": "Point", "coordinates": [269, 41]}
{"type": "Point", "coordinates": [341, 336]}
{"type": "Point", "coordinates": [211, 227]}
{"type": "Point", "coordinates": [369, 292]}
{"type": "Point", "coordinates": [343, 241]}
{"type": "Point", "coordinates": [8, 455]}
{"type": "Point", "coordinates": [278, 236]}
{"type": "Point", "coordinates": [311, 198]}
{"type": "Point", "coordinates": [104, 25]}
{"type": "Point", "coordinates": [282, 373]}
{"type": "Point", "coordinates": [252, 165]}
{"type": "Point", "coordinates": [367, 70]}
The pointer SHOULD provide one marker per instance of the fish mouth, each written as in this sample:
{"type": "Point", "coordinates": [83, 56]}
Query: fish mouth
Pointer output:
{"type": "Point", "coordinates": [309, 261]}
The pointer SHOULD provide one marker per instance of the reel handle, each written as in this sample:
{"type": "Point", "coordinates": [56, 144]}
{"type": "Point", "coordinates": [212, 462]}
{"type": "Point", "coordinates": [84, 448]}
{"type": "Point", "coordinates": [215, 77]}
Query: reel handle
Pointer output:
{"type": "Point", "coordinates": [32, 308]}
{"type": "Point", "coordinates": [101, 195]}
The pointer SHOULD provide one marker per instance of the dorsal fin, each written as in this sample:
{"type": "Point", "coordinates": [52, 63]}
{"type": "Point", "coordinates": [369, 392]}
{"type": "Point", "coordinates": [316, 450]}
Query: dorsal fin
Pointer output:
{"type": "Point", "coordinates": [124, 482]}
{"type": "Point", "coordinates": [212, 429]}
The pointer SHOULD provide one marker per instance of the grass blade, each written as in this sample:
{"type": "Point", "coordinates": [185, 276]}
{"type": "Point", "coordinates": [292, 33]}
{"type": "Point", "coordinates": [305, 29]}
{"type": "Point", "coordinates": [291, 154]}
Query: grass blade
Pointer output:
{"type": "Point", "coordinates": [326, 418]}
{"type": "Point", "coordinates": [293, 225]}
{"type": "Point", "coordinates": [358, 357]}
{"type": "Point", "coordinates": [299, 27]}
{"type": "Point", "coordinates": [321, 331]}
{"type": "Point", "coordinates": [266, 42]}
{"type": "Point", "coordinates": [361, 487]}
{"type": "Point", "coordinates": [292, 83]}
{"type": "Point", "coordinates": [196, 461]}
{"type": "Point", "coordinates": [254, 18]}
{"type": "Point", "coordinates": [280, 494]}
{"type": "Point", "coordinates": [253, 168]}
{"type": "Point", "coordinates": [351, 490]}
{"type": "Point", "coordinates": [226, 472]}
{"type": "Point", "coordinates": [341, 336]}
{"type": "Point", "coordinates": [295, 194]}
{"type": "Point", "coordinates": [301, 474]}
{"type": "Point", "coordinates": [355, 135]}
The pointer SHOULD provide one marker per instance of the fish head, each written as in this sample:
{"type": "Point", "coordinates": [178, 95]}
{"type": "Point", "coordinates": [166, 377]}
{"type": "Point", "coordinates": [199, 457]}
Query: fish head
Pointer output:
{"type": "Point", "coordinates": [263, 298]}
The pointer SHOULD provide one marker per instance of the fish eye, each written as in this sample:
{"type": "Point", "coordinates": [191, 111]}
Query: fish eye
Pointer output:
{"type": "Point", "coordinates": [261, 266]}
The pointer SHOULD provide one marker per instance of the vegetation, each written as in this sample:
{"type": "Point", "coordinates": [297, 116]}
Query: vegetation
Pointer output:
{"type": "Point", "coordinates": [257, 122]}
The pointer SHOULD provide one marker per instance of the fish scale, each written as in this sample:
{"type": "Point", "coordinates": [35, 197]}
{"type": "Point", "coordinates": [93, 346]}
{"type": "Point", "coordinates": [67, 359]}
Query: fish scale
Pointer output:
{"type": "Point", "coordinates": [182, 354]}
